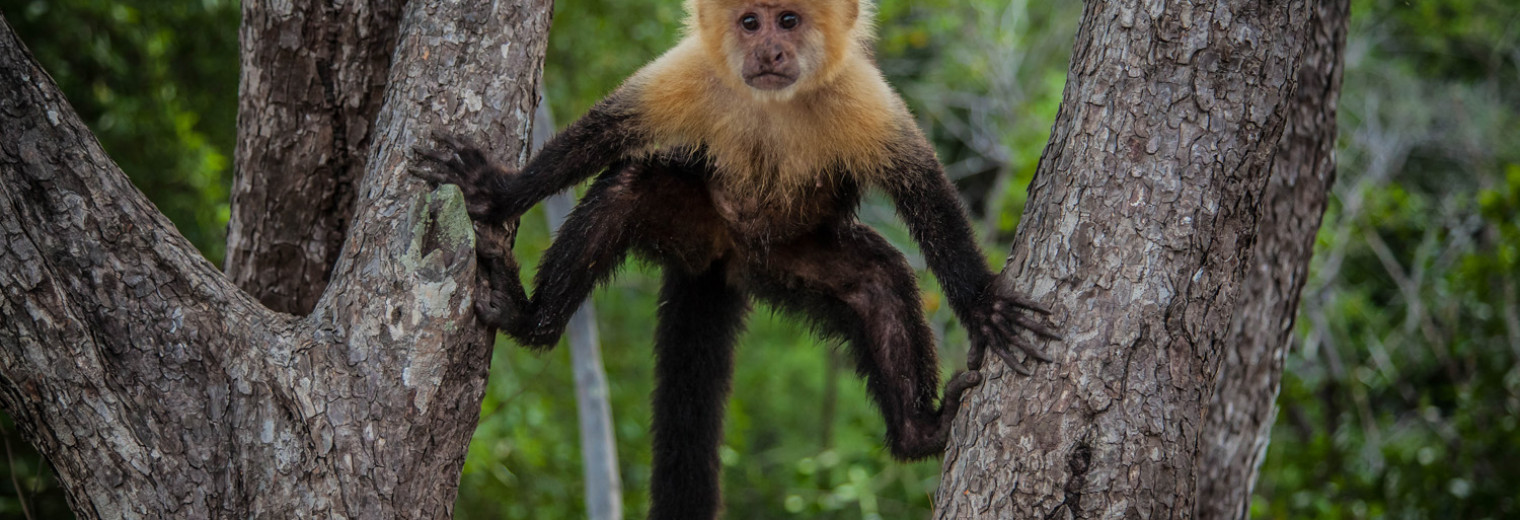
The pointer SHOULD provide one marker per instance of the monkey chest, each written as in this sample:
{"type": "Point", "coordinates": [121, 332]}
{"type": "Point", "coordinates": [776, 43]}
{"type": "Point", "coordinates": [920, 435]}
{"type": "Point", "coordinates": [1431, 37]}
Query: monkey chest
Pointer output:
{"type": "Point", "coordinates": [760, 217]}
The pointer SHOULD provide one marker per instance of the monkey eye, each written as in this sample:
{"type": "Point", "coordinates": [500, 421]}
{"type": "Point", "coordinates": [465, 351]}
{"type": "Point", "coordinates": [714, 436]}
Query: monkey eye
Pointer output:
{"type": "Point", "coordinates": [788, 20]}
{"type": "Point", "coordinates": [750, 22]}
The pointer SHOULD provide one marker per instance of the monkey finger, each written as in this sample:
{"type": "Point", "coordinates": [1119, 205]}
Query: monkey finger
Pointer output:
{"type": "Point", "coordinates": [471, 157]}
{"type": "Point", "coordinates": [446, 147]}
{"type": "Point", "coordinates": [981, 339]}
{"type": "Point", "coordinates": [458, 155]}
{"type": "Point", "coordinates": [1030, 350]}
{"type": "Point", "coordinates": [432, 177]}
{"type": "Point", "coordinates": [453, 142]}
{"type": "Point", "coordinates": [1023, 370]}
{"type": "Point", "coordinates": [973, 379]}
{"type": "Point", "coordinates": [1039, 329]}
{"type": "Point", "coordinates": [426, 153]}
{"type": "Point", "coordinates": [432, 156]}
{"type": "Point", "coordinates": [959, 383]}
{"type": "Point", "coordinates": [1009, 338]}
{"type": "Point", "coordinates": [1029, 305]}
{"type": "Point", "coordinates": [975, 354]}
{"type": "Point", "coordinates": [466, 149]}
{"type": "Point", "coordinates": [478, 209]}
{"type": "Point", "coordinates": [955, 393]}
{"type": "Point", "coordinates": [1004, 328]}
{"type": "Point", "coordinates": [486, 309]}
{"type": "Point", "coordinates": [1014, 364]}
{"type": "Point", "coordinates": [449, 161]}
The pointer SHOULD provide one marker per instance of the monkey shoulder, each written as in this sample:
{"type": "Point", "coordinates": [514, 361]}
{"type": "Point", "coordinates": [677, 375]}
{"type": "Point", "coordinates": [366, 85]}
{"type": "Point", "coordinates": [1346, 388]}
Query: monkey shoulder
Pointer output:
{"type": "Point", "coordinates": [795, 145]}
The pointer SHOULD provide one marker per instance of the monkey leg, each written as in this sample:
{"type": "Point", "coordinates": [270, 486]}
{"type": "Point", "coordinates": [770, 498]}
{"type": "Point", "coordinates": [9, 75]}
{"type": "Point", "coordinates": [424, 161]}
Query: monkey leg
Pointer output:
{"type": "Point", "coordinates": [856, 286]}
{"type": "Point", "coordinates": [653, 207]}
{"type": "Point", "coordinates": [588, 248]}
{"type": "Point", "coordinates": [700, 316]}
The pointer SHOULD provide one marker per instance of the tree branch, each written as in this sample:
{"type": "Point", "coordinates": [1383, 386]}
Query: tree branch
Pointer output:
{"type": "Point", "coordinates": [1241, 414]}
{"type": "Point", "coordinates": [1137, 233]}
{"type": "Point", "coordinates": [305, 121]}
{"type": "Point", "coordinates": [156, 388]}
{"type": "Point", "coordinates": [107, 311]}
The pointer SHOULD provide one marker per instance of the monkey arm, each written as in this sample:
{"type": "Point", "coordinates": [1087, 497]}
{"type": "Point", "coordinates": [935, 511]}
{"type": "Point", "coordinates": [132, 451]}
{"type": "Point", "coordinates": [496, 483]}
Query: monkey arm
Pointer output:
{"type": "Point", "coordinates": [497, 194]}
{"type": "Point", "coordinates": [605, 134]}
{"type": "Point", "coordinates": [928, 203]}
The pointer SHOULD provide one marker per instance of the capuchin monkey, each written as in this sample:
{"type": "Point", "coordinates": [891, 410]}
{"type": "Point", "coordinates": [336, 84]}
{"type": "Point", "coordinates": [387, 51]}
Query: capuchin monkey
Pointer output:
{"type": "Point", "coordinates": [736, 162]}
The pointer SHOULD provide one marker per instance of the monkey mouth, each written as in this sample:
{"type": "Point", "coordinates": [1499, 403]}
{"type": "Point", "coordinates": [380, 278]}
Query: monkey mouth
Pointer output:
{"type": "Point", "coordinates": [769, 80]}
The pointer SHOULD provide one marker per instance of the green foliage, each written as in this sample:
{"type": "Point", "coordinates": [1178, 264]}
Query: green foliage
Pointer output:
{"type": "Point", "coordinates": [594, 44]}
{"type": "Point", "coordinates": [985, 79]}
{"type": "Point", "coordinates": [32, 491]}
{"type": "Point", "coordinates": [157, 83]}
{"type": "Point", "coordinates": [1450, 39]}
{"type": "Point", "coordinates": [1403, 401]}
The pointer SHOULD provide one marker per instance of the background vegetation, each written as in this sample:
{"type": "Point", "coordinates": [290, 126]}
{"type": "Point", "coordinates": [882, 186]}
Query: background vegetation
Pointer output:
{"type": "Point", "coordinates": [1401, 398]}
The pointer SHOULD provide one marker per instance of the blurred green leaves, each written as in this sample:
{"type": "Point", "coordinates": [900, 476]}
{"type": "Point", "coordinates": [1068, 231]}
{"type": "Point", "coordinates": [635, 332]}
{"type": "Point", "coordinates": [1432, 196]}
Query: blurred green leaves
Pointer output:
{"type": "Point", "coordinates": [1402, 400]}
{"type": "Point", "coordinates": [157, 83]}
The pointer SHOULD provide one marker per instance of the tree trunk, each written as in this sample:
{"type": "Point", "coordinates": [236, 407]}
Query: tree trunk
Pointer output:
{"type": "Point", "coordinates": [156, 388]}
{"type": "Point", "coordinates": [1138, 234]}
{"type": "Point", "coordinates": [313, 75]}
{"type": "Point", "coordinates": [1240, 417]}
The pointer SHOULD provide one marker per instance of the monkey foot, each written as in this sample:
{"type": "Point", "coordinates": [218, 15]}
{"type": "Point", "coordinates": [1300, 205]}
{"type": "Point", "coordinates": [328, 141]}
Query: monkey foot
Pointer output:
{"type": "Point", "coordinates": [927, 438]}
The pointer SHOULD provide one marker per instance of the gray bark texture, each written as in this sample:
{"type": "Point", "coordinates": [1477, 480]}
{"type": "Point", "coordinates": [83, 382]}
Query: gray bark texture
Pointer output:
{"type": "Point", "coordinates": [157, 388]}
{"type": "Point", "coordinates": [1240, 416]}
{"type": "Point", "coordinates": [313, 78]}
{"type": "Point", "coordinates": [1138, 234]}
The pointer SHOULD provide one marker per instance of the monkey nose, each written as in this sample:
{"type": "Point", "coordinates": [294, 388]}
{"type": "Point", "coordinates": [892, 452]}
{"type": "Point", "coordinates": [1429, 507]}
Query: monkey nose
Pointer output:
{"type": "Point", "coordinates": [771, 55]}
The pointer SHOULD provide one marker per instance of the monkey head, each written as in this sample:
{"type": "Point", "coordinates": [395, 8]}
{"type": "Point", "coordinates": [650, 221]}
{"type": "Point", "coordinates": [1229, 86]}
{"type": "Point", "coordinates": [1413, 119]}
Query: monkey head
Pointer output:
{"type": "Point", "coordinates": [777, 48]}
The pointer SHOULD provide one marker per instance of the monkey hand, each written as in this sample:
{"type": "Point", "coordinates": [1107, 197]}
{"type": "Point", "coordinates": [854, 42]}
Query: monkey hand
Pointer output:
{"type": "Point", "coordinates": [995, 324]}
{"type": "Point", "coordinates": [460, 162]}
{"type": "Point", "coordinates": [500, 299]}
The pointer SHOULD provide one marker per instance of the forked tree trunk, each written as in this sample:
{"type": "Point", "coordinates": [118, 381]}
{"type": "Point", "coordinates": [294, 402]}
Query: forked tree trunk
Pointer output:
{"type": "Point", "coordinates": [1138, 233]}
{"type": "Point", "coordinates": [158, 389]}
{"type": "Point", "coordinates": [1240, 417]}
{"type": "Point", "coordinates": [313, 78]}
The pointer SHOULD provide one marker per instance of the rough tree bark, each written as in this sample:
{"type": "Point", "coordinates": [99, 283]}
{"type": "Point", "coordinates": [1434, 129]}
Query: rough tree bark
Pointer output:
{"type": "Point", "coordinates": [156, 388]}
{"type": "Point", "coordinates": [1240, 417]}
{"type": "Point", "coordinates": [313, 76]}
{"type": "Point", "coordinates": [1138, 233]}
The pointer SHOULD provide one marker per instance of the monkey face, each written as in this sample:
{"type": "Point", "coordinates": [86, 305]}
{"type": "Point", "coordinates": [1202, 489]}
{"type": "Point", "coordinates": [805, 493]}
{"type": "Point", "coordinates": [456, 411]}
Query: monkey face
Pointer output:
{"type": "Point", "coordinates": [777, 47]}
{"type": "Point", "coordinates": [769, 37]}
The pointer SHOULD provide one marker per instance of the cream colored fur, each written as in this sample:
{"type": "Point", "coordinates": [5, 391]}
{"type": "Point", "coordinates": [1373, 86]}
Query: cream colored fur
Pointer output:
{"type": "Point", "coordinates": [840, 117]}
